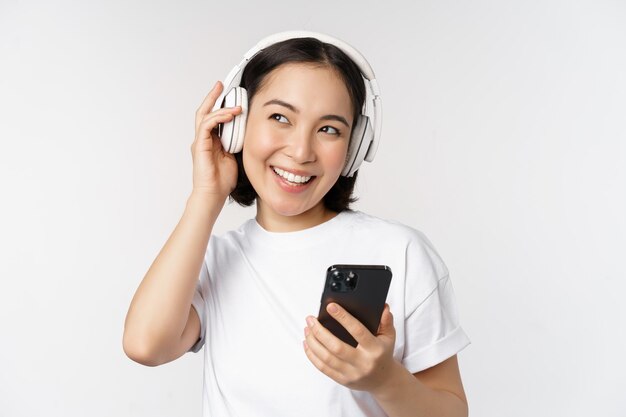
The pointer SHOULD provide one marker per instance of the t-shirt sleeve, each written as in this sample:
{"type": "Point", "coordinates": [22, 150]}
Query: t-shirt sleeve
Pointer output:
{"type": "Point", "coordinates": [432, 329]}
{"type": "Point", "coordinates": [198, 302]}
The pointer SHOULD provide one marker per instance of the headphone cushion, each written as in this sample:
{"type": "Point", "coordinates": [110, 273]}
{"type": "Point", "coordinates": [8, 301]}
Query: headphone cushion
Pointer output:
{"type": "Point", "coordinates": [240, 120]}
{"type": "Point", "coordinates": [359, 142]}
{"type": "Point", "coordinates": [232, 131]}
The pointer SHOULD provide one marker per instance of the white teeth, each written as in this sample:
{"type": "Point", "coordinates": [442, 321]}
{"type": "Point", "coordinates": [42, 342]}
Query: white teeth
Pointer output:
{"type": "Point", "coordinates": [291, 177]}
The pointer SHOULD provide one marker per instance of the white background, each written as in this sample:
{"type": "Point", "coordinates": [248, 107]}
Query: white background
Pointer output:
{"type": "Point", "coordinates": [503, 140]}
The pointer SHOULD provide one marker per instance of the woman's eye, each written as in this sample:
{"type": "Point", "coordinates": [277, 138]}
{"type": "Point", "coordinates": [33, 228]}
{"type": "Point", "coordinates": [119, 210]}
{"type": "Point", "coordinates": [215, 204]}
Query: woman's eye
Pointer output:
{"type": "Point", "coordinates": [338, 132]}
{"type": "Point", "coordinates": [277, 114]}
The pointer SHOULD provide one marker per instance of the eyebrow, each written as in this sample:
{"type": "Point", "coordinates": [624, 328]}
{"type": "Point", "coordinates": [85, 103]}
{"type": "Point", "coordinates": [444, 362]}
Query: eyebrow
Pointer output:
{"type": "Point", "coordinates": [295, 110]}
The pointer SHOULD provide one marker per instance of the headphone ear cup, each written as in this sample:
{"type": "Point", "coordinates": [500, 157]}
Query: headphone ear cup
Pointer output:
{"type": "Point", "coordinates": [231, 133]}
{"type": "Point", "coordinates": [240, 120]}
{"type": "Point", "coordinates": [359, 143]}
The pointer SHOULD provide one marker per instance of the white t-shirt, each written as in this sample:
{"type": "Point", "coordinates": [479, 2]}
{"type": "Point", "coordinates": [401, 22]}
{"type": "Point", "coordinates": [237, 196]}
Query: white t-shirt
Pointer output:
{"type": "Point", "coordinates": [256, 287]}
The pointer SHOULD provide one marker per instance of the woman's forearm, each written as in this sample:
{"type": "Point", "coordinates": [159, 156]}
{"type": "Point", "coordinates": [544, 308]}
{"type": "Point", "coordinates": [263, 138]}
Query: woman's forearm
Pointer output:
{"type": "Point", "coordinates": [159, 310]}
{"type": "Point", "coordinates": [407, 396]}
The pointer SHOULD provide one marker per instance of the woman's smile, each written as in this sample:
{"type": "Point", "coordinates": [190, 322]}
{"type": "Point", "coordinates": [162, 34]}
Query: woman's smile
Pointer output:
{"type": "Point", "coordinates": [290, 182]}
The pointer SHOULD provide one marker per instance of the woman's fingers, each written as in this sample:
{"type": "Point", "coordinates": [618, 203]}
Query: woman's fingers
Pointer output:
{"type": "Point", "coordinates": [218, 112]}
{"type": "Point", "coordinates": [214, 118]}
{"type": "Point", "coordinates": [213, 169]}
{"type": "Point", "coordinates": [210, 122]}
{"type": "Point", "coordinates": [209, 101]}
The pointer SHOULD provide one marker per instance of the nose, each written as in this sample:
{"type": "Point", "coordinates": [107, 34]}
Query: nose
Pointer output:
{"type": "Point", "coordinates": [301, 147]}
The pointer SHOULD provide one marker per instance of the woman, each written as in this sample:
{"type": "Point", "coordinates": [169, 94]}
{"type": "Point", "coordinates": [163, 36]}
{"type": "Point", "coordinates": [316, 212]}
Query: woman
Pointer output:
{"type": "Point", "coordinates": [255, 302]}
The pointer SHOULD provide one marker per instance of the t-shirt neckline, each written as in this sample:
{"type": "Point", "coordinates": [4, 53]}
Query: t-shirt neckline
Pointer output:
{"type": "Point", "coordinates": [305, 237]}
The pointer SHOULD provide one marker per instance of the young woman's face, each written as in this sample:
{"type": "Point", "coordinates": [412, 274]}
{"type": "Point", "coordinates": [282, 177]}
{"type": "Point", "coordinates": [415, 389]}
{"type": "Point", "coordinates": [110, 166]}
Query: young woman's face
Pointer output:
{"type": "Point", "coordinates": [295, 127]}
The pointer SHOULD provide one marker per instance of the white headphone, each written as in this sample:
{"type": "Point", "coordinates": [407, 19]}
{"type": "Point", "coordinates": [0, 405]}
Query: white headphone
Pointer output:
{"type": "Point", "coordinates": [363, 140]}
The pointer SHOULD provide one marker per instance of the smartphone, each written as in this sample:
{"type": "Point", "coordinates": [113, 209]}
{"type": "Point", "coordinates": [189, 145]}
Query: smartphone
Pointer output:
{"type": "Point", "coordinates": [361, 290]}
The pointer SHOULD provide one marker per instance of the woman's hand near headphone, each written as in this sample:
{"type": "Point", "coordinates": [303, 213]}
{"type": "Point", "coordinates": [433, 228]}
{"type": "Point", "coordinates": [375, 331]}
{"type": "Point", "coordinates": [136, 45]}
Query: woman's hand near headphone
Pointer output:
{"type": "Point", "coordinates": [214, 169]}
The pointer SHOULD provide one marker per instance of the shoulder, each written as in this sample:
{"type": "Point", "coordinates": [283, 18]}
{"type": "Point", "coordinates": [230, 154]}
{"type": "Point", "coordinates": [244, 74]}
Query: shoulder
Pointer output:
{"type": "Point", "coordinates": [388, 228]}
{"type": "Point", "coordinates": [419, 251]}
{"type": "Point", "coordinates": [228, 243]}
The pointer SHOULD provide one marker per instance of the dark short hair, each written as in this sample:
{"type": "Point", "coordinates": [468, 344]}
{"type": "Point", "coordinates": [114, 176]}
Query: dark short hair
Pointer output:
{"type": "Point", "coordinates": [319, 54]}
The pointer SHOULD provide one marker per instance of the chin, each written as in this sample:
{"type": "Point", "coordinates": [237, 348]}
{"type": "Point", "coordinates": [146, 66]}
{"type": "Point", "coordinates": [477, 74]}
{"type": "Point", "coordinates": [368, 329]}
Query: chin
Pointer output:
{"type": "Point", "coordinates": [288, 210]}
{"type": "Point", "coordinates": [291, 207]}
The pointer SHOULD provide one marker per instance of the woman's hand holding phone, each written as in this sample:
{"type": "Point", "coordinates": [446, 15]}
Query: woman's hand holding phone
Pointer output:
{"type": "Point", "coordinates": [214, 170]}
{"type": "Point", "coordinates": [353, 337]}
{"type": "Point", "coordinates": [368, 367]}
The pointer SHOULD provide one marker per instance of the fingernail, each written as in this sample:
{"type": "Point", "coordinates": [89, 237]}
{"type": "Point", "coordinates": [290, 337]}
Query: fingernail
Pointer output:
{"type": "Point", "coordinates": [332, 308]}
{"type": "Point", "coordinates": [309, 321]}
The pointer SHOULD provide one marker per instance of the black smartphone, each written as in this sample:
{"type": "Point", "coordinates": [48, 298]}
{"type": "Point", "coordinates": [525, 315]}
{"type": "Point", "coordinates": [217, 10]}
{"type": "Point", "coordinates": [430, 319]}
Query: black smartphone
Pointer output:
{"type": "Point", "coordinates": [361, 290]}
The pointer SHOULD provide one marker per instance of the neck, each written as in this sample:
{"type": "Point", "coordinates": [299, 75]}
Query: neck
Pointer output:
{"type": "Point", "coordinates": [276, 222]}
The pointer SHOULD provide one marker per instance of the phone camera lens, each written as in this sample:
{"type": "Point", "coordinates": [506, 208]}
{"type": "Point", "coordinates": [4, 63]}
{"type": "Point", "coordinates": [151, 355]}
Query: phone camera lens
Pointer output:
{"type": "Point", "coordinates": [351, 280]}
{"type": "Point", "coordinates": [337, 275]}
{"type": "Point", "coordinates": [335, 286]}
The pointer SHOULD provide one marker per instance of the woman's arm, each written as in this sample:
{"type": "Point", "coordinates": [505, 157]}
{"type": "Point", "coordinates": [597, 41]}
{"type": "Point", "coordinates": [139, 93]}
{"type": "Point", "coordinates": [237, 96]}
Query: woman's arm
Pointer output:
{"type": "Point", "coordinates": [160, 320]}
{"type": "Point", "coordinates": [436, 391]}
{"type": "Point", "coordinates": [160, 309]}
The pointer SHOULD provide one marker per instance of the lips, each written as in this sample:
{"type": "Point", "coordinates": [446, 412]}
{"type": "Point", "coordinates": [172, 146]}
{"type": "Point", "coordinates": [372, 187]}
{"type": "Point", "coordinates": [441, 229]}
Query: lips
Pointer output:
{"type": "Point", "coordinates": [289, 176]}
{"type": "Point", "coordinates": [291, 187]}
